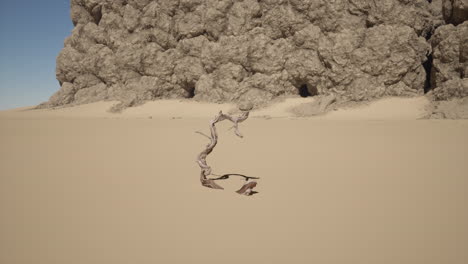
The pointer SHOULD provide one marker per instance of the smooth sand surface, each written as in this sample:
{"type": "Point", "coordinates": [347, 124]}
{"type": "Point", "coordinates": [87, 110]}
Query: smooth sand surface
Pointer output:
{"type": "Point", "coordinates": [80, 185]}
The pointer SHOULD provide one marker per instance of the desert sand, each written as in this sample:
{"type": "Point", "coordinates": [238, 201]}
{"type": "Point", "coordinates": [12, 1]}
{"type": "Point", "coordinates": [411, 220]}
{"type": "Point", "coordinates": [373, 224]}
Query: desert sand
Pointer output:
{"type": "Point", "coordinates": [373, 184]}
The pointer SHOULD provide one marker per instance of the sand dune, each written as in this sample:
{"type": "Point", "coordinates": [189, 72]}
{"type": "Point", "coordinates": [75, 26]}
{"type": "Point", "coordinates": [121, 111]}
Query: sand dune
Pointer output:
{"type": "Point", "coordinates": [383, 109]}
{"type": "Point", "coordinates": [362, 185]}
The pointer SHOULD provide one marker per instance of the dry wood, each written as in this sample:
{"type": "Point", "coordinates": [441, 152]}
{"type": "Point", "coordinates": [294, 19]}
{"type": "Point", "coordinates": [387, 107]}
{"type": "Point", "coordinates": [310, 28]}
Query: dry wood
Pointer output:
{"type": "Point", "coordinates": [201, 160]}
{"type": "Point", "coordinates": [246, 189]}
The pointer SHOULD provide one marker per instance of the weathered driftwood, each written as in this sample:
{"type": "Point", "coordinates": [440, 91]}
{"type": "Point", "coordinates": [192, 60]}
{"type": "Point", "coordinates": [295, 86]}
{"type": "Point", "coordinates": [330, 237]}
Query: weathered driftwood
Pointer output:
{"type": "Point", "coordinates": [226, 176]}
{"type": "Point", "coordinates": [201, 160]}
{"type": "Point", "coordinates": [247, 189]}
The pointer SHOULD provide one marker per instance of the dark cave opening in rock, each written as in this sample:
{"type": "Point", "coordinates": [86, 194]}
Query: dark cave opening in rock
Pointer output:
{"type": "Point", "coordinates": [191, 92]}
{"type": "Point", "coordinates": [428, 68]}
{"type": "Point", "coordinates": [304, 91]}
{"type": "Point", "coordinates": [96, 12]}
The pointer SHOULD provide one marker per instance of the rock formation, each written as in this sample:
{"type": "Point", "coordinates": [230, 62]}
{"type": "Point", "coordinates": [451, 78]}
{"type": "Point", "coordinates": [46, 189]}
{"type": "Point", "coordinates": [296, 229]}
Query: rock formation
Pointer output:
{"type": "Point", "coordinates": [455, 11]}
{"type": "Point", "coordinates": [256, 50]}
{"type": "Point", "coordinates": [450, 65]}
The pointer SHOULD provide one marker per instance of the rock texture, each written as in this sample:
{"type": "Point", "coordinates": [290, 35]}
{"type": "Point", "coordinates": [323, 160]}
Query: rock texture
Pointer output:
{"type": "Point", "coordinates": [455, 11]}
{"type": "Point", "coordinates": [450, 66]}
{"type": "Point", "coordinates": [249, 50]}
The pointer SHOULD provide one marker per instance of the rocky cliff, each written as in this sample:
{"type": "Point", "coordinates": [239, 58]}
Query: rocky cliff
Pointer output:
{"type": "Point", "coordinates": [256, 50]}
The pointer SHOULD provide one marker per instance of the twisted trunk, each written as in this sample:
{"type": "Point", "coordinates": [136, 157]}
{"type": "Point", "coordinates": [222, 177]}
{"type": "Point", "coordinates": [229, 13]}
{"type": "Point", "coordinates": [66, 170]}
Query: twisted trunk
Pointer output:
{"type": "Point", "coordinates": [201, 160]}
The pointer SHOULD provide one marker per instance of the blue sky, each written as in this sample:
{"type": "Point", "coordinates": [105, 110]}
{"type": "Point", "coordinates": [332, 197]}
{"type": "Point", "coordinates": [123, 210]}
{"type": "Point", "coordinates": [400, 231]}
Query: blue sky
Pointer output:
{"type": "Point", "coordinates": [31, 36]}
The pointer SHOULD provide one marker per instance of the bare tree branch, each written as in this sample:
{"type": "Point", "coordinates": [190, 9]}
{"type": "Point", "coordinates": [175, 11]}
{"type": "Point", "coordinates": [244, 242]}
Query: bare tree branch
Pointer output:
{"type": "Point", "coordinates": [226, 176]}
{"type": "Point", "coordinates": [201, 159]}
{"type": "Point", "coordinates": [247, 189]}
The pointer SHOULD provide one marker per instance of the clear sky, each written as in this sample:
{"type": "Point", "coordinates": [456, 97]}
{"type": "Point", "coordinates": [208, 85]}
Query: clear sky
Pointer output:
{"type": "Point", "coordinates": [31, 36]}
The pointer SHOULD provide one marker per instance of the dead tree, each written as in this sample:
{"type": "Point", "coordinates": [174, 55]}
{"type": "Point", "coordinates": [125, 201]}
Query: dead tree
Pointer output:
{"type": "Point", "coordinates": [247, 188]}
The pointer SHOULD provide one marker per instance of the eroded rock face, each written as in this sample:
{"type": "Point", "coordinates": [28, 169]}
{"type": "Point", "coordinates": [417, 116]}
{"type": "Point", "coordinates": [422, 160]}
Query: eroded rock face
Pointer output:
{"type": "Point", "coordinates": [450, 66]}
{"type": "Point", "coordinates": [455, 11]}
{"type": "Point", "coordinates": [227, 50]}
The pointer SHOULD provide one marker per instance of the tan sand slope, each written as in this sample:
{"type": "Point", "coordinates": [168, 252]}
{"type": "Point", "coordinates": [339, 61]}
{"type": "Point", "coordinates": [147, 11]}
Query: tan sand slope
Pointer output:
{"type": "Point", "coordinates": [79, 185]}
{"type": "Point", "coordinates": [383, 109]}
{"type": "Point", "coordinates": [393, 108]}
